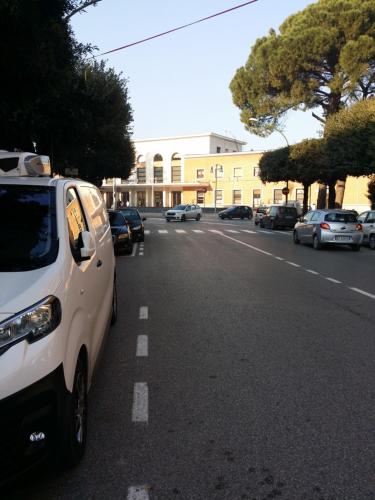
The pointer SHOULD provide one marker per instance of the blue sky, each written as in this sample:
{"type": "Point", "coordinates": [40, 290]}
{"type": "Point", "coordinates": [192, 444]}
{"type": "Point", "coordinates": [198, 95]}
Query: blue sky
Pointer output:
{"type": "Point", "coordinates": [179, 84]}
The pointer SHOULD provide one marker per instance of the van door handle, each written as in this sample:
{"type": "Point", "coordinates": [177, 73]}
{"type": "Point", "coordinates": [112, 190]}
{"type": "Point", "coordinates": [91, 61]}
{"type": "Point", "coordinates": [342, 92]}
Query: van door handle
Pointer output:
{"type": "Point", "coordinates": [99, 263]}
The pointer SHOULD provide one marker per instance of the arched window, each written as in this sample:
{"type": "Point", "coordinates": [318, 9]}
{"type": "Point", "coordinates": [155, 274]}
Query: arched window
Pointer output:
{"type": "Point", "coordinates": [158, 157]}
{"type": "Point", "coordinates": [140, 159]}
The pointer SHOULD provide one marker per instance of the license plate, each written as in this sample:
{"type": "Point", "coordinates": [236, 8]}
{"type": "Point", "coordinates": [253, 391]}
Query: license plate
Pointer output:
{"type": "Point", "coordinates": [343, 238]}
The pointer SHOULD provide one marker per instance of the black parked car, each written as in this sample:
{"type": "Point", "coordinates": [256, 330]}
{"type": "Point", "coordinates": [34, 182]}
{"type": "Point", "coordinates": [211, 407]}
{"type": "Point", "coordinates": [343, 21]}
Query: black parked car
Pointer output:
{"type": "Point", "coordinates": [237, 212]}
{"type": "Point", "coordinates": [135, 222]}
{"type": "Point", "coordinates": [121, 232]}
{"type": "Point", "coordinates": [279, 216]}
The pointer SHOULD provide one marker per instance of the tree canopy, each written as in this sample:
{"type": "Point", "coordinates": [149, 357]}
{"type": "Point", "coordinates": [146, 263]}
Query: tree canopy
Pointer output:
{"type": "Point", "coordinates": [323, 57]}
{"type": "Point", "coordinates": [53, 100]}
{"type": "Point", "coordinates": [350, 136]}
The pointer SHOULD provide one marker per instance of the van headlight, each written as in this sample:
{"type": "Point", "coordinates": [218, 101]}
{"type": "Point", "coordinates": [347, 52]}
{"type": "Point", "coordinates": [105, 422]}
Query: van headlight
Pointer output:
{"type": "Point", "coordinates": [32, 323]}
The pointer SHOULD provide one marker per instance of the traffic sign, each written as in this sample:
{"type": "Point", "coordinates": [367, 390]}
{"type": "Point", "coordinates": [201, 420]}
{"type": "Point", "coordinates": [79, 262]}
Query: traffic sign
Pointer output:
{"type": "Point", "coordinates": [285, 191]}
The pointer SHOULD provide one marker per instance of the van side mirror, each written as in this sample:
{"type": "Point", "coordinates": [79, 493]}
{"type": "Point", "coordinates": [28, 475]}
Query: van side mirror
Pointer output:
{"type": "Point", "coordinates": [87, 246]}
{"type": "Point", "coordinates": [144, 218]}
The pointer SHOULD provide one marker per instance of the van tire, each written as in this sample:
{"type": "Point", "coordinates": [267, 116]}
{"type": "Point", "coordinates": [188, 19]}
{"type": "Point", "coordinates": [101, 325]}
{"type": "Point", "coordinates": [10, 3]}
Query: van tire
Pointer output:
{"type": "Point", "coordinates": [74, 424]}
{"type": "Point", "coordinates": [372, 241]}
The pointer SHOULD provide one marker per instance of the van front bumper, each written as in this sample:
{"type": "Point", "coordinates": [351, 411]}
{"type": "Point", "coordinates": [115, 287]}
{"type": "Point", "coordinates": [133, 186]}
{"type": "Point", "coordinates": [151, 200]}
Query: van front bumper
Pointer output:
{"type": "Point", "coordinates": [28, 423]}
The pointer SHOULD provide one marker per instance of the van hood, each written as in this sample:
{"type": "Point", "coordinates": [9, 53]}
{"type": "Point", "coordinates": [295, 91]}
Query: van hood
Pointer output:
{"type": "Point", "coordinates": [19, 290]}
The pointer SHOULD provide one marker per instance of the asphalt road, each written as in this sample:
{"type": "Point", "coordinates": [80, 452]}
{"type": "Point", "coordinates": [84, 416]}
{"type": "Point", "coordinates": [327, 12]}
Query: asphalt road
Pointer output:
{"type": "Point", "coordinates": [241, 367]}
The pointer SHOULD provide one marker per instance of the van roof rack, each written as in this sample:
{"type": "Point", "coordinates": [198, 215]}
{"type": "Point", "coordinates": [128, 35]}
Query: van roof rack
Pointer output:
{"type": "Point", "coordinates": [15, 164]}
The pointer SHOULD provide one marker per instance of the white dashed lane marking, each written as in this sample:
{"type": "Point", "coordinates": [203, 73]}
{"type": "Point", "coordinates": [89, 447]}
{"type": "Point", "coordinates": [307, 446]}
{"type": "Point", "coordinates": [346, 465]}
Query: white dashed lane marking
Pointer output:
{"type": "Point", "coordinates": [332, 280]}
{"type": "Point", "coordinates": [358, 290]}
{"type": "Point", "coordinates": [292, 263]}
{"type": "Point", "coordinates": [147, 231]}
{"type": "Point", "coordinates": [143, 312]}
{"type": "Point", "coordinates": [180, 231]}
{"type": "Point", "coordinates": [197, 231]}
{"type": "Point", "coordinates": [142, 346]}
{"type": "Point", "coordinates": [138, 493]}
{"type": "Point", "coordinates": [162, 231]}
{"type": "Point", "coordinates": [231, 231]}
{"type": "Point", "coordinates": [311, 272]}
{"type": "Point", "coordinates": [140, 403]}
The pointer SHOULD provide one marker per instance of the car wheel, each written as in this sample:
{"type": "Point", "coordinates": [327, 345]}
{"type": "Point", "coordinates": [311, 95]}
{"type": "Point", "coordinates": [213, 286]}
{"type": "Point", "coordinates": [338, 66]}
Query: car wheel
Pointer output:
{"type": "Point", "coordinates": [141, 238]}
{"type": "Point", "coordinates": [372, 241]}
{"type": "Point", "coordinates": [256, 222]}
{"type": "Point", "coordinates": [183, 218]}
{"type": "Point", "coordinates": [355, 248]}
{"type": "Point", "coordinates": [261, 223]}
{"type": "Point", "coordinates": [198, 217]}
{"type": "Point", "coordinates": [129, 250]}
{"type": "Point", "coordinates": [74, 423]}
{"type": "Point", "coordinates": [168, 220]}
{"type": "Point", "coordinates": [114, 304]}
{"type": "Point", "coordinates": [316, 243]}
{"type": "Point", "coordinates": [295, 238]}
{"type": "Point", "coordinates": [272, 225]}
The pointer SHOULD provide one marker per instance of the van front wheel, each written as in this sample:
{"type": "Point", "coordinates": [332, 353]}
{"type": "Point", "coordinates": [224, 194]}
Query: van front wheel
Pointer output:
{"type": "Point", "coordinates": [74, 425]}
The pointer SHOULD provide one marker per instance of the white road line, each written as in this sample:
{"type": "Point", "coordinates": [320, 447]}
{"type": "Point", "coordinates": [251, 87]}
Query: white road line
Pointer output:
{"type": "Point", "coordinates": [142, 346]}
{"type": "Point", "coordinates": [358, 290]}
{"type": "Point", "coordinates": [215, 231]}
{"type": "Point", "coordinates": [264, 232]}
{"type": "Point", "coordinates": [135, 246]}
{"type": "Point", "coordinates": [162, 231]}
{"type": "Point", "coordinates": [147, 231]}
{"type": "Point", "coordinates": [311, 272]}
{"type": "Point", "coordinates": [197, 231]}
{"type": "Point", "coordinates": [141, 254]}
{"type": "Point", "coordinates": [140, 402]}
{"type": "Point", "coordinates": [333, 280]}
{"type": "Point", "coordinates": [282, 232]}
{"type": "Point", "coordinates": [292, 263]}
{"type": "Point", "coordinates": [143, 312]}
{"type": "Point", "coordinates": [245, 244]}
{"type": "Point", "coordinates": [180, 231]}
{"type": "Point", "coordinates": [138, 493]}
{"type": "Point", "coordinates": [232, 231]}
{"type": "Point", "coordinates": [279, 258]}
{"type": "Point", "coordinates": [248, 231]}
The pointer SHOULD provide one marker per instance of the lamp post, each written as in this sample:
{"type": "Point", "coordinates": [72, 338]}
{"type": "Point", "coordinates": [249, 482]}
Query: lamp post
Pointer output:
{"type": "Point", "coordinates": [286, 189]}
{"type": "Point", "coordinates": [215, 169]}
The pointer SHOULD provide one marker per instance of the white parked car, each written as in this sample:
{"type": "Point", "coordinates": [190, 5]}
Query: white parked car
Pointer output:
{"type": "Point", "coordinates": [183, 213]}
{"type": "Point", "coordinates": [57, 300]}
{"type": "Point", "coordinates": [367, 219]}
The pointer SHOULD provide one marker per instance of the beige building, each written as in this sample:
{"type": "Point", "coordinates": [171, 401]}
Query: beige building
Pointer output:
{"type": "Point", "coordinates": [211, 170]}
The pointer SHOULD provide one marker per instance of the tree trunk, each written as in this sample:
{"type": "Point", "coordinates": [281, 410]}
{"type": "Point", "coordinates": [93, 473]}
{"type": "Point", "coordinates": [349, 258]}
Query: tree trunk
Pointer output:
{"type": "Point", "coordinates": [305, 197]}
{"type": "Point", "coordinates": [322, 195]}
{"type": "Point", "coordinates": [340, 191]}
{"type": "Point", "coordinates": [331, 194]}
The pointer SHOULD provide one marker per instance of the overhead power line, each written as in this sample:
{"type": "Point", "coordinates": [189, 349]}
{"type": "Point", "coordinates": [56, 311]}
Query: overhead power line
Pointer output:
{"type": "Point", "coordinates": [178, 28]}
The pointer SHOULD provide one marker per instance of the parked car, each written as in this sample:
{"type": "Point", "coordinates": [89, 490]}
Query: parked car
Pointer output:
{"type": "Point", "coordinates": [330, 226]}
{"type": "Point", "coordinates": [279, 216]}
{"type": "Point", "coordinates": [57, 300]}
{"type": "Point", "coordinates": [236, 212]}
{"type": "Point", "coordinates": [259, 213]}
{"type": "Point", "coordinates": [121, 232]}
{"type": "Point", "coordinates": [367, 219]}
{"type": "Point", "coordinates": [183, 213]}
{"type": "Point", "coordinates": [135, 221]}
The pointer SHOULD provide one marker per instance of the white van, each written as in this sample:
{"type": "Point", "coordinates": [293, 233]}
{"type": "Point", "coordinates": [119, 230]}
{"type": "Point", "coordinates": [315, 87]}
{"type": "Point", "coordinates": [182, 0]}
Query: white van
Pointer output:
{"type": "Point", "coordinates": [57, 300]}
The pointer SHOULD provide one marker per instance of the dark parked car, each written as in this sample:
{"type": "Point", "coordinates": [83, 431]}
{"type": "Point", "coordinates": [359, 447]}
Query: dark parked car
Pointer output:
{"type": "Point", "coordinates": [236, 212]}
{"type": "Point", "coordinates": [121, 232]}
{"type": "Point", "coordinates": [279, 216]}
{"type": "Point", "coordinates": [135, 222]}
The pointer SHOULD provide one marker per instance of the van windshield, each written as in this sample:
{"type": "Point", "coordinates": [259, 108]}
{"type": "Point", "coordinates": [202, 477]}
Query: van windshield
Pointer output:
{"type": "Point", "coordinates": [27, 227]}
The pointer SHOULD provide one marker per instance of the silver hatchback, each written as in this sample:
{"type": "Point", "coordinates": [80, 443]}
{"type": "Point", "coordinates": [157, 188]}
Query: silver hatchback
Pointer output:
{"type": "Point", "coordinates": [329, 226]}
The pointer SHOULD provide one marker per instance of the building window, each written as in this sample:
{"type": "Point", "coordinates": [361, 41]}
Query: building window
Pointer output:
{"type": "Point", "coordinates": [141, 198]}
{"type": "Point", "coordinates": [158, 174]}
{"type": "Point", "coordinates": [256, 171]}
{"type": "Point", "coordinates": [176, 173]}
{"type": "Point", "coordinates": [176, 198]}
{"type": "Point", "coordinates": [237, 172]}
{"type": "Point", "coordinates": [200, 197]}
{"type": "Point", "coordinates": [158, 198]}
{"type": "Point", "coordinates": [218, 149]}
{"type": "Point", "coordinates": [277, 196]}
{"type": "Point", "coordinates": [141, 175]}
{"type": "Point", "coordinates": [256, 197]}
{"type": "Point", "coordinates": [299, 195]}
{"type": "Point", "coordinates": [158, 157]}
{"type": "Point", "coordinates": [236, 196]}
{"type": "Point", "coordinates": [200, 173]}
{"type": "Point", "coordinates": [219, 196]}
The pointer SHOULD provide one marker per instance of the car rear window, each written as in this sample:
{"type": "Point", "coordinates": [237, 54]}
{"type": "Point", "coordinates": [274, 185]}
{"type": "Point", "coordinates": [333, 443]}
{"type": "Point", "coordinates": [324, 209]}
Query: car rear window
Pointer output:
{"type": "Point", "coordinates": [28, 227]}
{"type": "Point", "coordinates": [116, 219]}
{"type": "Point", "coordinates": [287, 211]}
{"type": "Point", "coordinates": [130, 214]}
{"type": "Point", "coordinates": [340, 217]}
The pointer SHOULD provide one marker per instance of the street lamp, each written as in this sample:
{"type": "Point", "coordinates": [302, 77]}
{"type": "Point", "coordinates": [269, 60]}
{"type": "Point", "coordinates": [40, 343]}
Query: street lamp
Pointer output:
{"type": "Point", "coordinates": [286, 193]}
{"type": "Point", "coordinates": [215, 169]}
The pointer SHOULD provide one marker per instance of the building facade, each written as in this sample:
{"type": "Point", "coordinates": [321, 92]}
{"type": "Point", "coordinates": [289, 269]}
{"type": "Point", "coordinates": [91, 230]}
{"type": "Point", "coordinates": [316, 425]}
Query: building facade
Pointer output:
{"type": "Point", "coordinates": [210, 170]}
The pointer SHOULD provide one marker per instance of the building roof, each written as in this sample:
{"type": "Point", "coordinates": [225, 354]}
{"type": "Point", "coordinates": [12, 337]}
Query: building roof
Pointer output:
{"type": "Point", "coordinates": [208, 134]}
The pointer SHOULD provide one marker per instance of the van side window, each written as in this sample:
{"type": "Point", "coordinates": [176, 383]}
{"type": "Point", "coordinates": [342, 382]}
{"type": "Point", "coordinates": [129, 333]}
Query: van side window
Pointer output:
{"type": "Point", "coordinates": [76, 221]}
{"type": "Point", "coordinates": [95, 209]}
